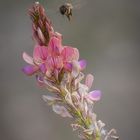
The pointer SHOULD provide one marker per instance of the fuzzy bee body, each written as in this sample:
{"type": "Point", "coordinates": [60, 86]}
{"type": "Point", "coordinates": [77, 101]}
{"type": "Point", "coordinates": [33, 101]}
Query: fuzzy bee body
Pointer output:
{"type": "Point", "coordinates": [66, 9]}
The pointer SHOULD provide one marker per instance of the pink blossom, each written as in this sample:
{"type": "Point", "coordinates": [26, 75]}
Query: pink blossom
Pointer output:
{"type": "Point", "coordinates": [52, 58]}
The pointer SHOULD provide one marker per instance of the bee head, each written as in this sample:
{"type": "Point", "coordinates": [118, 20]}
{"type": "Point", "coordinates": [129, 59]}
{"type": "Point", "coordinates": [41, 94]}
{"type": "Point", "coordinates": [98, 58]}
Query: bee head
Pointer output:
{"type": "Point", "coordinates": [63, 9]}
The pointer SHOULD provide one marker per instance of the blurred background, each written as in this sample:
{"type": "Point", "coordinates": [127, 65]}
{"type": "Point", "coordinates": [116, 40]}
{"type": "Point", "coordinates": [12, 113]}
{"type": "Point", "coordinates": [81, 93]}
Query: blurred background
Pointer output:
{"type": "Point", "coordinates": [107, 34]}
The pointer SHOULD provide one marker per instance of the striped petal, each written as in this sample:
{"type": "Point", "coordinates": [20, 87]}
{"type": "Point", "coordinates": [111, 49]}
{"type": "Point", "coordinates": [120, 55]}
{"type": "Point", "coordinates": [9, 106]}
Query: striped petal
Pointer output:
{"type": "Point", "coordinates": [54, 47]}
{"type": "Point", "coordinates": [69, 54]}
{"type": "Point", "coordinates": [40, 53]}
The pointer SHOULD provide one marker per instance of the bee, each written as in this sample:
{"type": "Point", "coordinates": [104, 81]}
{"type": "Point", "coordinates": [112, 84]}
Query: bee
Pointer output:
{"type": "Point", "coordinates": [66, 9]}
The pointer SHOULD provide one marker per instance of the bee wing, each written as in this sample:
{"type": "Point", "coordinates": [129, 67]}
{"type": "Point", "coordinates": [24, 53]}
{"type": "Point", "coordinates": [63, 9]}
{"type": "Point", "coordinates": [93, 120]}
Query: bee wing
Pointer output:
{"type": "Point", "coordinates": [78, 4]}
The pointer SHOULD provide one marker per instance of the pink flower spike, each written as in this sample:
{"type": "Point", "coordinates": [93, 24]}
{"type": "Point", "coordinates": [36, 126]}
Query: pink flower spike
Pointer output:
{"type": "Point", "coordinates": [89, 80]}
{"type": "Point", "coordinates": [94, 95]}
{"type": "Point", "coordinates": [82, 64]}
{"type": "Point", "coordinates": [29, 70]}
{"type": "Point", "coordinates": [27, 58]}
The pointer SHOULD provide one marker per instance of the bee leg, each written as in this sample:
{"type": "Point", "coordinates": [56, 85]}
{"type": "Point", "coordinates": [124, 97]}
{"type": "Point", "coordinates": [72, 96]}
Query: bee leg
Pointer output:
{"type": "Point", "coordinates": [69, 17]}
{"type": "Point", "coordinates": [70, 12]}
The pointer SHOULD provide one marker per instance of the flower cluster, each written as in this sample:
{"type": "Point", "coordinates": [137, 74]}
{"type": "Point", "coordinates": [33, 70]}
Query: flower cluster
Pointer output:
{"type": "Point", "coordinates": [58, 68]}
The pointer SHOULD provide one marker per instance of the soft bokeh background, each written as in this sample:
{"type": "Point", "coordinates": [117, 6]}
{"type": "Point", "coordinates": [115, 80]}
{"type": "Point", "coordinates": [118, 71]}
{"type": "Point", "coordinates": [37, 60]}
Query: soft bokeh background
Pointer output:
{"type": "Point", "coordinates": [107, 33]}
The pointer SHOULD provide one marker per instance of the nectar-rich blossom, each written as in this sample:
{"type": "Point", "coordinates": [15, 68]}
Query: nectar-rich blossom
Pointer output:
{"type": "Point", "coordinates": [58, 68]}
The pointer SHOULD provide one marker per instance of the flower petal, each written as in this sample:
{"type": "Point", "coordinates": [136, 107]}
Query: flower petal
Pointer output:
{"type": "Point", "coordinates": [58, 35]}
{"type": "Point", "coordinates": [51, 86]}
{"type": "Point", "coordinates": [55, 47]}
{"type": "Point", "coordinates": [79, 78]}
{"type": "Point", "coordinates": [27, 58]}
{"type": "Point", "coordinates": [76, 127]}
{"type": "Point", "coordinates": [100, 124]}
{"type": "Point", "coordinates": [89, 80]}
{"type": "Point", "coordinates": [29, 70]}
{"type": "Point", "coordinates": [43, 68]}
{"type": "Point", "coordinates": [40, 35]}
{"type": "Point", "coordinates": [40, 53]}
{"type": "Point", "coordinates": [75, 69]}
{"type": "Point", "coordinates": [69, 54]}
{"type": "Point", "coordinates": [50, 63]}
{"type": "Point", "coordinates": [50, 98]}
{"type": "Point", "coordinates": [76, 54]}
{"type": "Point", "coordinates": [69, 99]}
{"type": "Point", "coordinates": [61, 110]}
{"type": "Point", "coordinates": [82, 64]}
{"type": "Point", "coordinates": [58, 63]}
{"type": "Point", "coordinates": [94, 95]}
{"type": "Point", "coordinates": [40, 80]}
{"type": "Point", "coordinates": [68, 66]}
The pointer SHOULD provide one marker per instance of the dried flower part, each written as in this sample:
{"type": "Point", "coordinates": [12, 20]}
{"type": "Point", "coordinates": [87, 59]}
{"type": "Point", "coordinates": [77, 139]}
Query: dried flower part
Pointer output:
{"type": "Point", "coordinates": [61, 110]}
{"type": "Point", "coordinates": [51, 98]}
{"type": "Point", "coordinates": [89, 80]}
{"type": "Point", "coordinates": [42, 27]}
{"type": "Point", "coordinates": [58, 69]}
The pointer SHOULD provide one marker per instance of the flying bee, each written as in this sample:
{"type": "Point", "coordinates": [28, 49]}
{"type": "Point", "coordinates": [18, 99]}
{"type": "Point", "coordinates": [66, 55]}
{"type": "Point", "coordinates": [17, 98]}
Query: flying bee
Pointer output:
{"type": "Point", "coordinates": [66, 9]}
